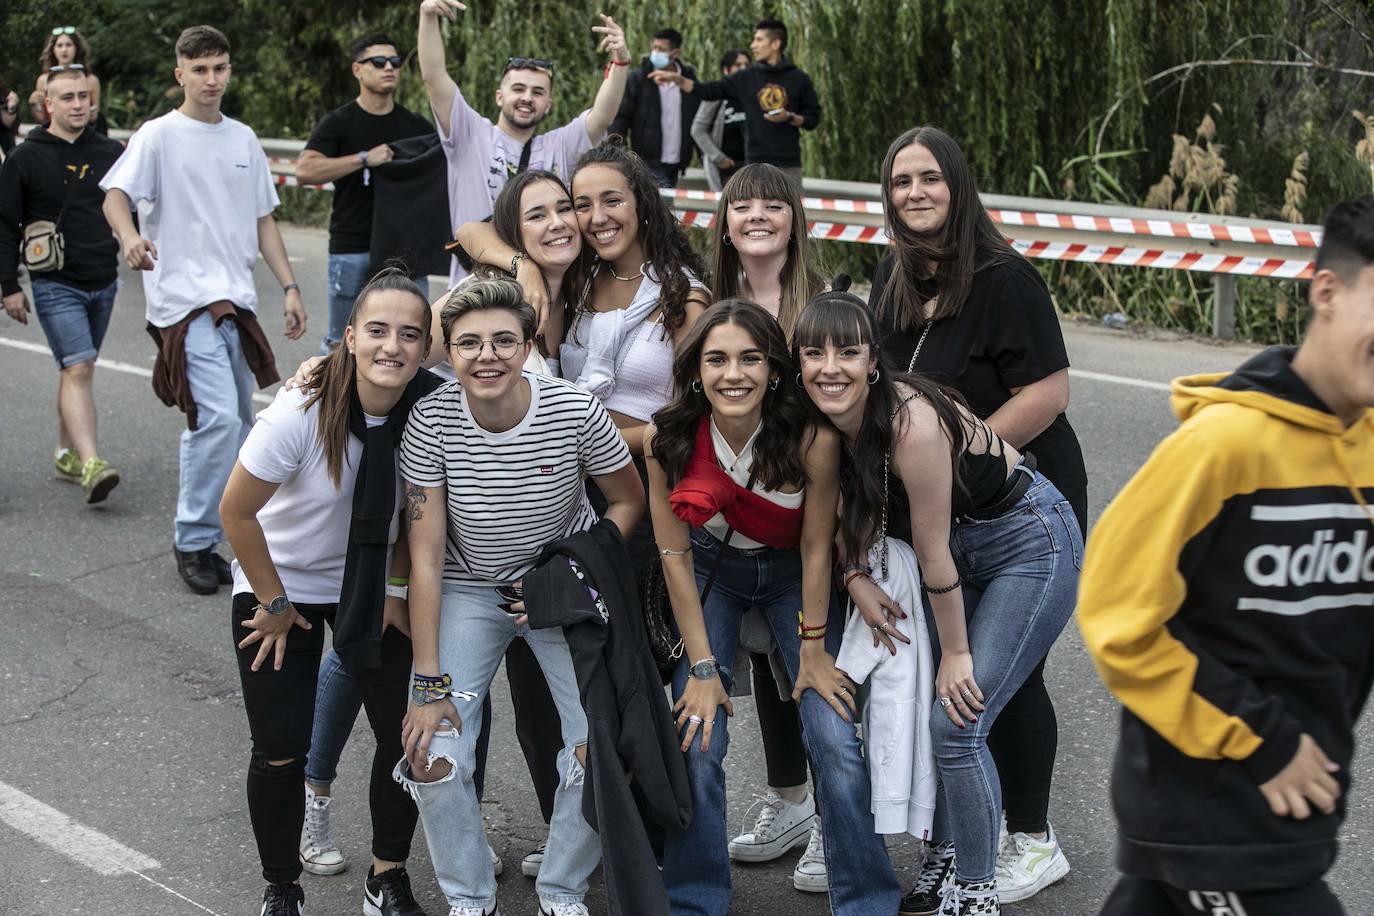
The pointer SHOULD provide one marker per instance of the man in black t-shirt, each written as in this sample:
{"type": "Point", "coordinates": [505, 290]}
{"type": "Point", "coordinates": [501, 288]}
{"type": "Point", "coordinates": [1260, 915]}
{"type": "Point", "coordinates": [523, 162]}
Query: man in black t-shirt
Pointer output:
{"type": "Point", "coordinates": [346, 144]}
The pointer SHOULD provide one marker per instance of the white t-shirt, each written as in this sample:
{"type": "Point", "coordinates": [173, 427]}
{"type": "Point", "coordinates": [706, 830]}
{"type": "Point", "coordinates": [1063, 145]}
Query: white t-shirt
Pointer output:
{"type": "Point", "coordinates": [738, 468]}
{"type": "Point", "coordinates": [306, 521]}
{"type": "Point", "coordinates": [200, 190]}
{"type": "Point", "coordinates": [510, 493]}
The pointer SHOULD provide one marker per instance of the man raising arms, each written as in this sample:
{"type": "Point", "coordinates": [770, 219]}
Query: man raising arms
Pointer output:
{"type": "Point", "coordinates": [205, 199]}
{"type": "Point", "coordinates": [483, 156]}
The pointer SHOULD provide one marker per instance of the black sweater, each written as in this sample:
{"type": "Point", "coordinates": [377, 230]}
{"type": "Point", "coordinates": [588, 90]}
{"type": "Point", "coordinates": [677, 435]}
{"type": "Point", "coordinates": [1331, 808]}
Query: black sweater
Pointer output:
{"type": "Point", "coordinates": [762, 88]}
{"type": "Point", "coordinates": [33, 186]}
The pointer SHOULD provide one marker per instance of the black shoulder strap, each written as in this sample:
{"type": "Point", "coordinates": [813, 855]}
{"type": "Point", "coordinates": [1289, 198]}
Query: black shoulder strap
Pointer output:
{"type": "Point", "coordinates": [525, 156]}
{"type": "Point", "coordinates": [71, 191]}
{"type": "Point", "coordinates": [725, 542]}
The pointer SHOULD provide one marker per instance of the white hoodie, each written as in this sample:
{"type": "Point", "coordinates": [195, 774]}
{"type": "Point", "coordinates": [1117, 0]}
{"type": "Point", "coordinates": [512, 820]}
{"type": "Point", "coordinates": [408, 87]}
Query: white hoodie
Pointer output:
{"type": "Point", "coordinates": [897, 707]}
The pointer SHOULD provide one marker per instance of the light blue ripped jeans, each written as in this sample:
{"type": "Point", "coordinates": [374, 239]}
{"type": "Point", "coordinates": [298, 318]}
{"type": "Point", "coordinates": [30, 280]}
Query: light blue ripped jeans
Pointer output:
{"type": "Point", "coordinates": [473, 636]}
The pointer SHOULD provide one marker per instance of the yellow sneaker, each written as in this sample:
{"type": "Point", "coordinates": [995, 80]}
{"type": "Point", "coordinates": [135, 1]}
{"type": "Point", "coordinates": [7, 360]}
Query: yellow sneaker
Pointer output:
{"type": "Point", "coordinates": [66, 465]}
{"type": "Point", "coordinates": [98, 479]}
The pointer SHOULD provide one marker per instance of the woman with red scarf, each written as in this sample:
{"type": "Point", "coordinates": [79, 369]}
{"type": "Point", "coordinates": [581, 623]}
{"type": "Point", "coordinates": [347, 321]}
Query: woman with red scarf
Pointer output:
{"type": "Point", "coordinates": [743, 489]}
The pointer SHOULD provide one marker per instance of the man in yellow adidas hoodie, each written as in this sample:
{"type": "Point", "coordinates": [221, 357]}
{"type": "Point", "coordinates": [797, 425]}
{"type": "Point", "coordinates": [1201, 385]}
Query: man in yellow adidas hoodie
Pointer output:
{"type": "Point", "coordinates": [1227, 598]}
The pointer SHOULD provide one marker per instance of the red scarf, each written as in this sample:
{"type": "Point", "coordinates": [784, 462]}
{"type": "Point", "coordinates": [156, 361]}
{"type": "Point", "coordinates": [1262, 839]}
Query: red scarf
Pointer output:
{"type": "Point", "coordinates": [706, 490]}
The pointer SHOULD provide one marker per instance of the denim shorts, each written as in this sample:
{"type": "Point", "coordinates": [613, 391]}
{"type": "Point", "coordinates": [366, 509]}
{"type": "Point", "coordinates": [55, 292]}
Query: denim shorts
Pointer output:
{"type": "Point", "coordinates": [74, 320]}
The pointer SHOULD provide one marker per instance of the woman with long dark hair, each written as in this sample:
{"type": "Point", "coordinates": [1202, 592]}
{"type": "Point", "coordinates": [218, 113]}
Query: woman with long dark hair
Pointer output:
{"type": "Point", "coordinates": [743, 497]}
{"type": "Point", "coordinates": [956, 303]}
{"type": "Point", "coordinates": [998, 548]}
{"type": "Point", "coordinates": [311, 511]}
{"type": "Point", "coordinates": [66, 47]}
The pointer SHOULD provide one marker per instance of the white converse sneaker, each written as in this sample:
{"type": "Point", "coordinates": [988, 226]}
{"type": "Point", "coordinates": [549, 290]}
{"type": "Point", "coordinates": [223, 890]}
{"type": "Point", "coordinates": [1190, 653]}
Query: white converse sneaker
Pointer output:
{"type": "Point", "coordinates": [779, 826]}
{"type": "Point", "coordinates": [497, 866]}
{"type": "Point", "coordinates": [473, 911]}
{"type": "Point", "coordinates": [319, 855]}
{"type": "Point", "coordinates": [810, 874]}
{"type": "Point", "coordinates": [533, 861]}
{"type": "Point", "coordinates": [549, 908]}
{"type": "Point", "coordinates": [1026, 865]}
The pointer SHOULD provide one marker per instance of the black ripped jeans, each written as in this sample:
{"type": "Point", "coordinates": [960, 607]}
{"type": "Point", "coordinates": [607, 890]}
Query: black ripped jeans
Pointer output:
{"type": "Point", "coordinates": [281, 713]}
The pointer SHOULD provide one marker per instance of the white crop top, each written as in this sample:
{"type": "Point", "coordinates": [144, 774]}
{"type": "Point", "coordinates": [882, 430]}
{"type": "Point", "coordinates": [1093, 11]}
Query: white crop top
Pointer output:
{"type": "Point", "coordinates": [738, 467]}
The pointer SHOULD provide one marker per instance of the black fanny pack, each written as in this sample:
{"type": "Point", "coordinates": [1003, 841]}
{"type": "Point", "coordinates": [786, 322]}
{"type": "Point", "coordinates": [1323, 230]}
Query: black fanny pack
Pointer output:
{"type": "Point", "coordinates": [1015, 487]}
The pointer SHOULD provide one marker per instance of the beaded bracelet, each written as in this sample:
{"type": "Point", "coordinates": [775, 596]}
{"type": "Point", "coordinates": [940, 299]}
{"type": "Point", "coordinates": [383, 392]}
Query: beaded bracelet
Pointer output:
{"type": "Point", "coordinates": [942, 591]}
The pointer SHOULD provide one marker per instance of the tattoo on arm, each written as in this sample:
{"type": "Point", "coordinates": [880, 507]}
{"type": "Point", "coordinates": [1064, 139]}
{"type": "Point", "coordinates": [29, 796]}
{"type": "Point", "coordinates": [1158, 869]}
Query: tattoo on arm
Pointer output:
{"type": "Point", "coordinates": [415, 497]}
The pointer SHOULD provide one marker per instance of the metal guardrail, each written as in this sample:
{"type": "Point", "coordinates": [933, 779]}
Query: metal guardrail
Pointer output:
{"type": "Point", "coordinates": [851, 211]}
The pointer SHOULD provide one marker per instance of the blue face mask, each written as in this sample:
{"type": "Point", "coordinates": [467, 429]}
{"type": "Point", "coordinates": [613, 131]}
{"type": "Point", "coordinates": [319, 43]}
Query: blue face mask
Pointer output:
{"type": "Point", "coordinates": [659, 59]}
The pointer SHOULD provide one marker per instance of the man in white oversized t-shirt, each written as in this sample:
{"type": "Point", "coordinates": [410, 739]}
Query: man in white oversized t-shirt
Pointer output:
{"type": "Point", "coordinates": [483, 156]}
{"type": "Point", "coordinates": [205, 200]}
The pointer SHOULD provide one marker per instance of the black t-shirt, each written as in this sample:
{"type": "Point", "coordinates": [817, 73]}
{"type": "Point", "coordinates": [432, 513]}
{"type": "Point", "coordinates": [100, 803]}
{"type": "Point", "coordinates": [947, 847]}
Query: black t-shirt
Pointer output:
{"type": "Point", "coordinates": [732, 133]}
{"type": "Point", "coordinates": [348, 131]}
{"type": "Point", "coordinates": [1006, 336]}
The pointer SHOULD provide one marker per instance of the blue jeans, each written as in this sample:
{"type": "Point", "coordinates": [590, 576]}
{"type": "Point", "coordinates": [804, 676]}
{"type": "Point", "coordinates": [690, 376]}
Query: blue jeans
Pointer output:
{"type": "Point", "coordinates": [696, 867]}
{"type": "Point", "coordinates": [337, 702]}
{"type": "Point", "coordinates": [74, 320]}
{"type": "Point", "coordinates": [348, 274]}
{"type": "Point", "coordinates": [222, 386]}
{"type": "Point", "coordinates": [1020, 575]}
{"type": "Point", "coordinates": [473, 636]}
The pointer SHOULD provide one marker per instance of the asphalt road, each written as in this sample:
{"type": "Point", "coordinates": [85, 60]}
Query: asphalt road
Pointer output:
{"type": "Point", "coordinates": [123, 745]}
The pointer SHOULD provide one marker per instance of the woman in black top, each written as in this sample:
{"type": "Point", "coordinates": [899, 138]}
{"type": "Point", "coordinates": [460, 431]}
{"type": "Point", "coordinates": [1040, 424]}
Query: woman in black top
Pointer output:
{"type": "Point", "coordinates": [957, 303]}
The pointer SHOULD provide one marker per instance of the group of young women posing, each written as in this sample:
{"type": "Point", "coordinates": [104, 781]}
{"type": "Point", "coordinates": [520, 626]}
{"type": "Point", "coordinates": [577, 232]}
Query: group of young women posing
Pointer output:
{"type": "Point", "coordinates": [802, 454]}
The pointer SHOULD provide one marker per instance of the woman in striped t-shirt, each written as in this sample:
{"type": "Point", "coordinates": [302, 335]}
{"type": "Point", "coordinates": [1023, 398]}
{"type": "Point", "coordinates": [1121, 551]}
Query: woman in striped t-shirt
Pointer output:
{"type": "Point", "coordinates": [494, 466]}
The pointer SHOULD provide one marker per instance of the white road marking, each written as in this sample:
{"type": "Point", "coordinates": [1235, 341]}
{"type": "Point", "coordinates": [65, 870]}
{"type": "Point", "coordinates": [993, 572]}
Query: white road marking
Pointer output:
{"type": "Point", "coordinates": [83, 845]}
{"type": "Point", "coordinates": [29, 346]}
{"type": "Point", "coordinates": [1115, 379]}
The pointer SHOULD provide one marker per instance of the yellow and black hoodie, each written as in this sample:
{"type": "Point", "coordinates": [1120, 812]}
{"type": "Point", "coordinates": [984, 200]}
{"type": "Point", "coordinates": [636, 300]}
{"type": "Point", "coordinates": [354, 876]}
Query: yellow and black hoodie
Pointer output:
{"type": "Point", "coordinates": [1227, 599]}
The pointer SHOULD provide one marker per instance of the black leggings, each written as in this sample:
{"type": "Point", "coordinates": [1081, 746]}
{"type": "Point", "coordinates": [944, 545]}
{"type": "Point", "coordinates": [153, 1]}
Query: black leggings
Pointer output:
{"type": "Point", "coordinates": [281, 713]}
{"type": "Point", "coordinates": [784, 754]}
{"type": "Point", "coordinates": [1141, 897]}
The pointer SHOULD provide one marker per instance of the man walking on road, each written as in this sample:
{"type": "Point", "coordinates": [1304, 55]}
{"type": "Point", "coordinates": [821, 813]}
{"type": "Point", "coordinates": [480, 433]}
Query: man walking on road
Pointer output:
{"type": "Point", "coordinates": [483, 156]}
{"type": "Point", "coordinates": [345, 146]}
{"type": "Point", "coordinates": [777, 98]}
{"type": "Point", "coordinates": [55, 176]}
{"type": "Point", "coordinates": [205, 199]}
{"type": "Point", "coordinates": [657, 117]}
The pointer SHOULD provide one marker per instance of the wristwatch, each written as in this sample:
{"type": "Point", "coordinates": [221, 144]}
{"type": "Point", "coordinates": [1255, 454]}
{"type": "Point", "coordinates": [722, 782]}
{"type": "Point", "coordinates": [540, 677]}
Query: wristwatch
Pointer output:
{"type": "Point", "coordinates": [362, 157]}
{"type": "Point", "coordinates": [705, 669]}
{"type": "Point", "coordinates": [277, 606]}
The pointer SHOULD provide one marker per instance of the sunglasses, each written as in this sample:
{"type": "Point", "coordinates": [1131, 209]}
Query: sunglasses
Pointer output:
{"type": "Point", "coordinates": [527, 63]}
{"type": "Point", "coordinates": [64, 30]}
{"type": "Point", "coordinates": [60, 67]}
{"type": "Point", "coordinates": [380, 61]}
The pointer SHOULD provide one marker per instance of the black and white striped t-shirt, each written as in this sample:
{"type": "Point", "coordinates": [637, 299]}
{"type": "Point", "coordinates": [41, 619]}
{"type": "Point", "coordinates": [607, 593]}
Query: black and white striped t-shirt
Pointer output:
{"type": "Point", "coordinates": [510, 493]}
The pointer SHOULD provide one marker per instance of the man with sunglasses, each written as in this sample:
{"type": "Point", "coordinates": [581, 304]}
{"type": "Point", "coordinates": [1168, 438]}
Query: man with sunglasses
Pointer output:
{"type": "Point", "coordinates": [345, 146]}
{"type": "Point", "coordinates": [483, 156]}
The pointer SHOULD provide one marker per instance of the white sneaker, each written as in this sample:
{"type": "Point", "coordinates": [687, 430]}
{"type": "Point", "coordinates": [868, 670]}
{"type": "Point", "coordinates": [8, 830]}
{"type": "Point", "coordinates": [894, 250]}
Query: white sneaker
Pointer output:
{"type": "Point", "coordinates": [780, 826]}
{"type": "Point", "coordinates": [533, 861]}
{"type": "Point", "coordinates": [549, 908]}
{"type": "Point", "coordinates": [473, 911]}
{"type": "Point", "coordinates": [810, 874]}
{"type": "Point", "coordinates": [497, 866]}
{"type": "Point", "coordinates": [1026, 865]}
{"type": "Point", "coordinates": [319, 855]}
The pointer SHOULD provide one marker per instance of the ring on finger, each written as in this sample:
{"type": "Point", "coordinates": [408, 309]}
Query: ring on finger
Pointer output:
{"type": "Point", "coordinates": [966, 692]}
{"type": "Point", "coordinates": [696, 719]}
{"type": "Point", "coordinates": [946, 702]}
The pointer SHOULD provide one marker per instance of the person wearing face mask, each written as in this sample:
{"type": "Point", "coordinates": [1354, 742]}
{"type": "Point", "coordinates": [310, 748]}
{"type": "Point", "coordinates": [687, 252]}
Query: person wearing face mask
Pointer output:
{"type": "Point", "coordinates": [718, 128]}
{"type": "Point", "coordinates": [483, 156]}
{"type": "Point", "coordinates": [657, 117]}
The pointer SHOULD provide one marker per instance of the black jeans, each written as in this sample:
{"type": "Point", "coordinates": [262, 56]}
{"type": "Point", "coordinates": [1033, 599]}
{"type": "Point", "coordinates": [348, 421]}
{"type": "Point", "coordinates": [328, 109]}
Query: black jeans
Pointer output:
{"type": "Point", "coordinates": [281, 713]}
{"type": "Point", "coordinates": [784, 754]}
{"type": "Point", "coordinates": [1141, 897]}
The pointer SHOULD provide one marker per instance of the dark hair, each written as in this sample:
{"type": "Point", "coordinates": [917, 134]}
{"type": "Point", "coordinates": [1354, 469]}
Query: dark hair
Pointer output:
{"type": "Point", "coordinates": [335, 379]}
{"type": "Point", "coordinates": [201, 41]}
{"type": "Point", "coordinates": [785, 427]}
{"type": "Point", "coordinates": [482, 295]}
{"type": "Point", "coordinates": [506, 217]}
{"type": "Point", "coordinates": [965, 244]}
{"type": "Point", "coordinates": [672, 36]}
{"type": "Point", "coordinates": [47, 58]}
{"type": "Point", "coordinates": [367, 41]}
{"type": "Point", "coordinates": [727, 60]}
{"type": "Point", "coordinates": [776, 31]}
{"type": "Point", "coordinates": [1348, 238]}
{"type": "Point", "coordinates": [842, 319]}
{"type": "Point", "coordinates": [667, 252]}
{"type": "Point", "coordinates": [802, 276]}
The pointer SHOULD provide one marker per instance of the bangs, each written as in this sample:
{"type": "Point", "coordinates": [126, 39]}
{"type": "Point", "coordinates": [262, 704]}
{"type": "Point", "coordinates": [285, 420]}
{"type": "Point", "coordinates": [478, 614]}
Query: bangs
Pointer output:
{"type": "Point", "coordinates": [835, 318]}
{"type": "Point", "coordinates": [759, 181]}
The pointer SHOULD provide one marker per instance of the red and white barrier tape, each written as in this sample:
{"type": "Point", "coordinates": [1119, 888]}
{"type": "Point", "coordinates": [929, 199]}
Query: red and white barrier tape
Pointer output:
{"type": "Point", "coordinates": [1212, 232]}
{"type": "Point", "coordinates": [1278, 268]}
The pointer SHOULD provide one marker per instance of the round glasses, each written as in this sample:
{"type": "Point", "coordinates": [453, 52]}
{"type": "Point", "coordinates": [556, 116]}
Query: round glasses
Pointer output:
{"type": "Point", "coordinates": [502, 347]}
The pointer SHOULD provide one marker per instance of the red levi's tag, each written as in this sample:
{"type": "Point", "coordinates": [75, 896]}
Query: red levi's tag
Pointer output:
{"type": "Point", "coordinates": [546, 469]}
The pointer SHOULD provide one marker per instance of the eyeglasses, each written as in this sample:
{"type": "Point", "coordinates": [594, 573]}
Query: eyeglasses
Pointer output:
{"type": "Point", "coordinates": [60, 67]}
{"type": "Point", "coordinates": [380, 61]}
{"type": "Point", "coordinates": [527, 63]}
{"type": "Point", "coordinates": [502, 347]}
{"type": "Point", "coordinates": [64, 30]}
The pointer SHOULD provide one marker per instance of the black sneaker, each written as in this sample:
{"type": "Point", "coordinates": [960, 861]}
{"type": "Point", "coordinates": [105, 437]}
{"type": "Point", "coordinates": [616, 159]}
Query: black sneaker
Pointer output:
{"type": "Point", "coordinates": [283, 900]}
{"type": "Point", "coordinates": [197, 570]}
{"type": "Point", "coordinates": [936, 872]}
{"type": "Point", "coordinates": [388, 894]}
{"type": "Point", "coordinates": [223, 572]}
{"type": "Point", "coordinates": [973, 899]}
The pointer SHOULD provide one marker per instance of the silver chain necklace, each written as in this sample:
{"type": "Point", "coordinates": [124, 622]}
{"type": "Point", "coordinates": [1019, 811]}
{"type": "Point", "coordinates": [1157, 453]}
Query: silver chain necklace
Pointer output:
{"type": "Point", "coordinates": [911, 366]}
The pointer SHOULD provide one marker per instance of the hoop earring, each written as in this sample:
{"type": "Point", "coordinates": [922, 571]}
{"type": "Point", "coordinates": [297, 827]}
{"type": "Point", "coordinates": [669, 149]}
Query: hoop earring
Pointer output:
{"type": "Point", "coordinates": [726, 239]}
{"type": "Point", "coordinates": [696, 386]}
{"type": "Point", "coordinates": [773, 383]}
{"type": "Point", "coordinates": [799, 381]}
{"type": "Point", "coordinates": [874, 376]}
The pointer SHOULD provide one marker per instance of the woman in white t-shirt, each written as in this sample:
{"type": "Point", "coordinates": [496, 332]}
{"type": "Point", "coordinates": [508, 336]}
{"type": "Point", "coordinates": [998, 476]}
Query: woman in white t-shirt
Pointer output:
{"type": "Point", "coordinates": [495, 466]}
{"type": "Point", "coordinates": [311, 512]}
